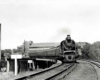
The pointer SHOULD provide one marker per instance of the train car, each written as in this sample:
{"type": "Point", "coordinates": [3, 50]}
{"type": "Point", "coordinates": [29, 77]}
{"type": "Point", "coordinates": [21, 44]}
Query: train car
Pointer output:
{"type": "Point", "coordinates": [45, 53]}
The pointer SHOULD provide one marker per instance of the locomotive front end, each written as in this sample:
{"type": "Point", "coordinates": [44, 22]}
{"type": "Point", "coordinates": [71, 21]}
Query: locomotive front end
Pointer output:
{"type": "Point", "coordinates": [69, 56]}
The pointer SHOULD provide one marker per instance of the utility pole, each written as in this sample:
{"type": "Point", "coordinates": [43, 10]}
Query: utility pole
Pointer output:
{"type": "Point", "coordinates": [0, 41]}
{"type": "Point", "coordinates": [24, 46]}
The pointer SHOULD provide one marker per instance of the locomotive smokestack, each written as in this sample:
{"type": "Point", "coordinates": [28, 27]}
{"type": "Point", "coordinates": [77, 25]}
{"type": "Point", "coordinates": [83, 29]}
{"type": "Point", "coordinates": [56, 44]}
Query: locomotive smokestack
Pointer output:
{"type": "Point", "coordinates": [0, 41]}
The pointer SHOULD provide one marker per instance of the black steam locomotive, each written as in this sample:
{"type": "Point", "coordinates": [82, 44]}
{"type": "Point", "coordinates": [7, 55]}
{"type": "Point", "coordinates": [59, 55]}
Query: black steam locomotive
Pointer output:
{"type": "Point", "coordinates": [69, 51]}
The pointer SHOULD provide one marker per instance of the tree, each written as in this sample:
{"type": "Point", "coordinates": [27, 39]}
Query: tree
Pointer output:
{"type": "Point", "coordinates": [20, 49]}
{"type": "Point", "coordinates": [86, 50]}
{"type": "Point", "coordinates": [2, 54]}
{"type": "Point", "coordinates": [7, 52]}
{"type": "Point", "coordinates": [95, 51]}
{"type": "Point", "coordinates": [26, 46]}
{"type": "Point", "coordinates": [15, 50]}
{"type": "Point", "coordinates": [30, 43]}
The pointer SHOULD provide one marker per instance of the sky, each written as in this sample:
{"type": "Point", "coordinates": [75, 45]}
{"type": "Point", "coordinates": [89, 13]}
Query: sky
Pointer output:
{"type": "Point", "coordinates": [48, 21]}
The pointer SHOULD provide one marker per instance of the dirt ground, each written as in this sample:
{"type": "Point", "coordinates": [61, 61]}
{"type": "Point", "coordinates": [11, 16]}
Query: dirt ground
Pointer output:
{"type": "Point", "coordinates": [84, 71]}
{"type": "Point", "coordinates": [6, 75]}
{"type": "Point", "coordinates": [11, 76]}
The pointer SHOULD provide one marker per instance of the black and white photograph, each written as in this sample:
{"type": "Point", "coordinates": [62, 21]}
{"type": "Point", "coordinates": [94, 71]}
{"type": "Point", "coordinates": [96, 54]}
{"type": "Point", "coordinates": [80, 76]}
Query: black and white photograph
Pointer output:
{"type": "Point", "coordinates": [49, 39]}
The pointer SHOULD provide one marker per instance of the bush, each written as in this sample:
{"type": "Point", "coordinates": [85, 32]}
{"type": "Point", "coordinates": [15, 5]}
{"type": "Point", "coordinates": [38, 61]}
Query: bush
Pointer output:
{"type": "Point", "coordinates": [3, 65]}
{"type": "Point", "coordinates": [91, 51]}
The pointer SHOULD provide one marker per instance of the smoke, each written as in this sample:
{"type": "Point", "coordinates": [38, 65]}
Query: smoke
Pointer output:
{"type": "Point", "coordinates": [64, 31]}
{"type": "Point", "coordinates": [61, 34]}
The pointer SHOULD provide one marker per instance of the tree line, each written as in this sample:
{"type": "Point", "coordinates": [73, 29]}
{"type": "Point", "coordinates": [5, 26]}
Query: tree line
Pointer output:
{"type": "Point", "coordinates": [24, 48]}
{"type": "Point", "coordinates": [91, 51]}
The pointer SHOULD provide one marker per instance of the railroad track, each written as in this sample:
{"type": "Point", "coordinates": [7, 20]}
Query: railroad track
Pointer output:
{"type": "Point", "coordinates": [97, 64]}
{"type": "Point", "coordinates": [24, 77]}
{"type": "Point", "coordinates": [63, 74]}
{"type": "Point", "coordinates": [94, 62]}
{"type": "Point", "coordinates": [51, 74]}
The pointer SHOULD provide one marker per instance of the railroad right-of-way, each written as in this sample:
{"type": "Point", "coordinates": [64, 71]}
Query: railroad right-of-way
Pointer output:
{"type": "Point", "coordinates": [82, 70]}
{"type": "Point", "coordinates": [52, 74]}
{"type": "Point", "coordinates": [85, 70]}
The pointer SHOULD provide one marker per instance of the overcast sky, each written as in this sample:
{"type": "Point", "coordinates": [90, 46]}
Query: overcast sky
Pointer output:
{"type": "Point", "coordinates": [49, 21]}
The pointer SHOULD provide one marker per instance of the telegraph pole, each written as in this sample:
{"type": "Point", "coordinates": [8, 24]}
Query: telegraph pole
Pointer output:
{"type": "Point", "coordinates": [0, 41]}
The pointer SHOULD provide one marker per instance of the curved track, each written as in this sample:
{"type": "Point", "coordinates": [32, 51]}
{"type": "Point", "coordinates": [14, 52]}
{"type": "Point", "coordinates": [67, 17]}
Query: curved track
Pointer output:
{"type": "Point", "coordinates": [95, 64]}
{"type": "Point", "coordinates": [85, 70]}
{"type": "Point", "coordinates": [92, 63]}
{"type": "Point", "coordinates": [95, 72]}
{"type": "Point", "coordinates": [63, 73]}
{"type": "Point", "coordinates": [50, 74]}
{"type": "Point", "coordinates": [24, 77]}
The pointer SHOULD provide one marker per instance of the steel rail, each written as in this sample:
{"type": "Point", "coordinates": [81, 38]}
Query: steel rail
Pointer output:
{"type": "Point", "coordinates": [51, 75]}
{"type": "Point", "coordinates": [60, 73]}
{"type": "Point", "coordinates": [38, 73]}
